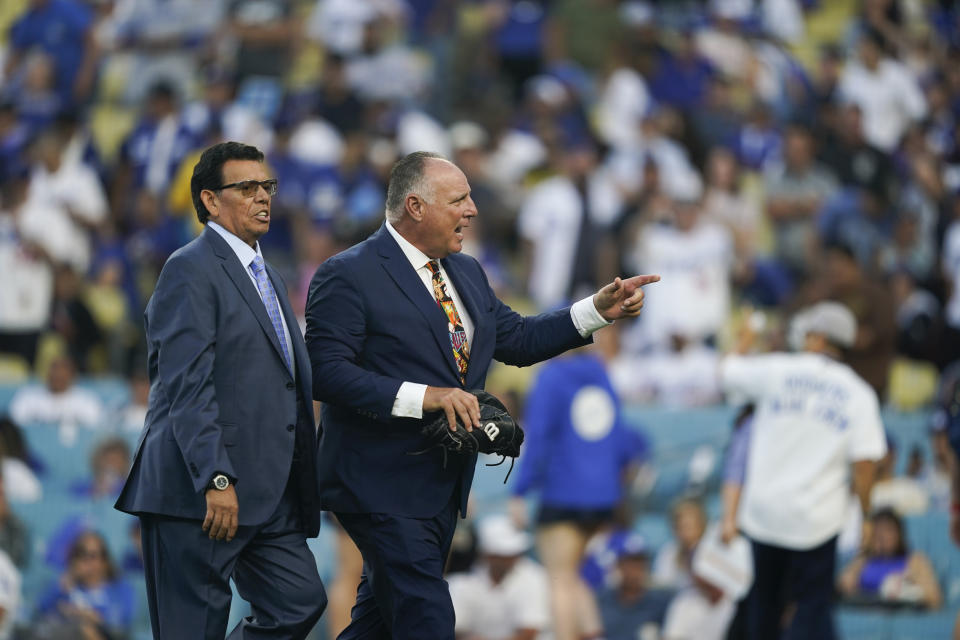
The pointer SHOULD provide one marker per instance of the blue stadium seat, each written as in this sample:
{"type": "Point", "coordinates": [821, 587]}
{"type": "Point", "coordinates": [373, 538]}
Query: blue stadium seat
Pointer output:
{"type": "Point", "coordinates": [66, 457]}
{"type": "Point", "coordinates": [862, 624]}
{"type": "Point", "coordinates": [921, 626]}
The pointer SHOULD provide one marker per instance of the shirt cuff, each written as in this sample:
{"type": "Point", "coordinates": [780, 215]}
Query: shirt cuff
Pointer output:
{"type": "Point", "coordinates": [409, 402]}
{"type": "Point", "coordinates": [586, 318]}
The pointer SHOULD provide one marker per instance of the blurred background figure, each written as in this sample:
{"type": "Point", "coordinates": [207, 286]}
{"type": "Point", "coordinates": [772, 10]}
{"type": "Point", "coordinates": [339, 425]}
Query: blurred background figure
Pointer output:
{"type": "Point", "coordinates": [60, 402]}
{"type": "Point", "coordinates": [579, 455]}
{"type": "Point", "coordinates": [671, 566]}
{"type": "Point", "coordinates": [507, 595]}
{"type": "Point", "coordinates": [632, 606]}
{"type": "Point", "coordinates": [887, 571]}
{"type": "Point", "coordinates": [89, 599]}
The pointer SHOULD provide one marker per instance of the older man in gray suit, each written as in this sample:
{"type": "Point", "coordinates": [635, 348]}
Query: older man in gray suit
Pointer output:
{"type": "Point", "coordinates": [224, 478]}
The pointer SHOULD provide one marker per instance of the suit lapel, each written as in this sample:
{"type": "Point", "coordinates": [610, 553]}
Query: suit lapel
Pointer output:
{"type": "Point", "coordinates": [301, 361]}
{"type": "Point", "coordinates": [236, 272]}
{"type": "Point", "coordinates": [403, 274]}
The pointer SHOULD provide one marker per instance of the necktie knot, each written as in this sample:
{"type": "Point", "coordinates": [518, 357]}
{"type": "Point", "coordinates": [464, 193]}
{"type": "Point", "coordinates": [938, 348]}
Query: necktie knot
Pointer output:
{"type": "Point", "coordinates": [257, 265]}
{"type": "Point", "coordinates": [434, 267]}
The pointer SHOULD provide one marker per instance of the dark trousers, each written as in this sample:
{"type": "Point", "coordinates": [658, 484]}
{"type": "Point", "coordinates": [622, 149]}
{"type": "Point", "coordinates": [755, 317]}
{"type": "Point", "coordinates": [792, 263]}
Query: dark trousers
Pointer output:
{"type": "Point", "coordinates": [800, 579]}
{"type": "Point", "coordinates": [402, 593]}
{"type": "Point", "coordinates": [188, 577]}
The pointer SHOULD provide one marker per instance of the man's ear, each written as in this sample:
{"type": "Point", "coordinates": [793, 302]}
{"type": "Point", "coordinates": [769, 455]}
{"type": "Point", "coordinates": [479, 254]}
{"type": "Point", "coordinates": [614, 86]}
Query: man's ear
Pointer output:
{"type": "Point", "coordinates": [209, 200]}
{"type": "Point", "coordinates": [414, 206]}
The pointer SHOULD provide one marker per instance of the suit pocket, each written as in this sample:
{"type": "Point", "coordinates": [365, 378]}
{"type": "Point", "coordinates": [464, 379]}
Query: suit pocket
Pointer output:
{"type": "Point", "coordinates": [229, 432]}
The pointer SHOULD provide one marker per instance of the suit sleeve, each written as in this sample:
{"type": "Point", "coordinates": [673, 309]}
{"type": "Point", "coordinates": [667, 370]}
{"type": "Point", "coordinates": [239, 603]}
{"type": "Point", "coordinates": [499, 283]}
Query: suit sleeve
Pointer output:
{"type": "Point", "coordinates": [526, 340]}
{"type": "Point", "coordinates": [336, 332]}
{"type": "Point", "coordinates": [182, 321]}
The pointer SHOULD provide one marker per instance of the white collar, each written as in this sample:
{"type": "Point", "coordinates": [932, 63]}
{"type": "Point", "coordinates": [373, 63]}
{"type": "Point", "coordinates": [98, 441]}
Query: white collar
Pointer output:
{"type": "Point", "coordinates": [416, 257]}
{"type": "Point", "coordinates": [244, 252]}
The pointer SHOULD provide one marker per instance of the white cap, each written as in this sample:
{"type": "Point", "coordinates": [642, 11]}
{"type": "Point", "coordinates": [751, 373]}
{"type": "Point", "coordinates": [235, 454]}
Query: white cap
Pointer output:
{"type": "Point", "coordinates": [499, 537]}
{"type": "Point", "coordinates": [831, 319]}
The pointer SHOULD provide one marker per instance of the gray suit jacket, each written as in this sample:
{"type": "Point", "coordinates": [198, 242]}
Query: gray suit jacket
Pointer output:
{"type": "Point", "coordinates": [221, 397]}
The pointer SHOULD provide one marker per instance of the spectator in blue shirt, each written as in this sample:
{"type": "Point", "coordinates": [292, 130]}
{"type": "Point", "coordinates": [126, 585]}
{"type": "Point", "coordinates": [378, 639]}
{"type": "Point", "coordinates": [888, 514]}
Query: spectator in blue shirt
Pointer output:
{"type": "Point", "coordinates": [631, 609]}
{"type": "Point", "coordinates": [682, 77]}
{"type": "Point", "coordinates": [63, 30]}
{"type": "Point", "coordinates": [577, 455]}
{"type": "Point", "coordinates": [153, 151]}
{"type": "Point", "coordinates": [89, 597]}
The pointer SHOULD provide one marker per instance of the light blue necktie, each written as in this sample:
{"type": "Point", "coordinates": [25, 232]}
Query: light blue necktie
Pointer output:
{"type": "Point", "coordinates": [273, 306]}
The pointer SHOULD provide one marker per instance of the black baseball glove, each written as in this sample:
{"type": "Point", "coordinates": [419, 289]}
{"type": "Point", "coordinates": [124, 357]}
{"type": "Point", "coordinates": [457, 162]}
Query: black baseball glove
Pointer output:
{"type": "Point", "coordinates": [498, 434]}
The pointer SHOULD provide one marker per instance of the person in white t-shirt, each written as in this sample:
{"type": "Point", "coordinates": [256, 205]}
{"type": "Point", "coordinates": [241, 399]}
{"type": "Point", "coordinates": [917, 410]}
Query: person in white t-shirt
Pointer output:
{"type": "Point", "coordinates": [59, 402]}
{"type": "Point", "coordinates": [507, 595]}
{"type": "Point", "coordinates": [815, 419]}
{"type": "Point", "coordinates": [885, 90]}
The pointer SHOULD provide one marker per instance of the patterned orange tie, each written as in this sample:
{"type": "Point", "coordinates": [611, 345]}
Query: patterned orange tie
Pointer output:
{"type": "Point", "coordinates": [458, 336]}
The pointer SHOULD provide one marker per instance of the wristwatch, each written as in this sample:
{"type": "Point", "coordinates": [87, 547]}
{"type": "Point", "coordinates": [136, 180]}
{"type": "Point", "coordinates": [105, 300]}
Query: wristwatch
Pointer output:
{"type": "Point", "coordinates": [220, 482]}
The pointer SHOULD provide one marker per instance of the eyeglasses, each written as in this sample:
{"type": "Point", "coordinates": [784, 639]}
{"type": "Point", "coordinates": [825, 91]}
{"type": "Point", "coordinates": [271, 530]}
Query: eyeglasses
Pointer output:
{"type": "Point", "coordinates": [249, 188]}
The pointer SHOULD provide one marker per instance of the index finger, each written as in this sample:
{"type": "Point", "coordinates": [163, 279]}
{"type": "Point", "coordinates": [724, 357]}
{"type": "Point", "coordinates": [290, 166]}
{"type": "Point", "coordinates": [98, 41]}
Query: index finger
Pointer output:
{"type": "Point", "coordinates": [639, 281]}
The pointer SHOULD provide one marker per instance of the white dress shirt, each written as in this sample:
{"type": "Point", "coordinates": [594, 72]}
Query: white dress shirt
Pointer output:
{"type": "Point", "coordinates": [245, 254]}
{"type": "Point", "coordinates": [409, 400]}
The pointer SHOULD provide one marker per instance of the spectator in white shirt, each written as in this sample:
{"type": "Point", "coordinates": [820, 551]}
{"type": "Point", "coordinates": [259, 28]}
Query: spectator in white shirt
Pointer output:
{"type": "Point", "coordinates": [671, 566]}
{"type": "Point", "coordinates": [26, 288]}
{"type": "Point", "coordinates": [65, 202]}
{"type": "Point", "coordinates": [507, 596]}
{"type": "Point", "coordinates": [59, 402]}
{"type": "Point", "coordinates": [560, 218]}
{"type": "Point", "coordinates": [696, 257]}
{"type": "Point", "coordinates": [815, 419]}
{"type": "Point", "coordinates": [886, 92]}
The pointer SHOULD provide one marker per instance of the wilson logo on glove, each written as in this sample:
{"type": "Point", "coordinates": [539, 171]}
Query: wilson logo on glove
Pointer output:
{"type": "Point", "coordinates": [503, 436]}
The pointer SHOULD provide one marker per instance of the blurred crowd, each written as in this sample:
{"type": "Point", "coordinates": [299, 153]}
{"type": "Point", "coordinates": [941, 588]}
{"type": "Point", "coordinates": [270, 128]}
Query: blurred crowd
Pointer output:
{"type": "Point", "coordinates": [760, 155]}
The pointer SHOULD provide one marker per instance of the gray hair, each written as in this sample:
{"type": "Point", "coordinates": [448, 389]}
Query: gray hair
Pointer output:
{"type": "Point", "coordinates": [406, 177]}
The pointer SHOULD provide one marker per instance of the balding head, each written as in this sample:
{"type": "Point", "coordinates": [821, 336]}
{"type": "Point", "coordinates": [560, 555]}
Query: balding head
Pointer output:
{"type": "Point", "coordinates": [408, 176]}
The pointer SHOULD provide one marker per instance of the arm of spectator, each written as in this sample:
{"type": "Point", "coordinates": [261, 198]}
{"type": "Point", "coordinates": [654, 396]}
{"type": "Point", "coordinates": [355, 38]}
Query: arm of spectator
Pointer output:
{"type": "Point", "coordinates": [848, 584]}
{"type": "Point", "coordinates": [83, 83]}
{"type": "Point", "coordinates": [864, 477]}
{"type": "Point", "coordinates": [792, 208]}
{"type": "Point", "coordinates": [731, 502]}
{"type": "Point", "coordinates": [542, 412]}
{"type": "Point", "coordinates": [734, 473]}
{"type": "Point", "coordinates": [286, 32]}
{"type": "Point", "coordinates": [554, 46]}
{"type": "Point", "coordinates": [921, 573]}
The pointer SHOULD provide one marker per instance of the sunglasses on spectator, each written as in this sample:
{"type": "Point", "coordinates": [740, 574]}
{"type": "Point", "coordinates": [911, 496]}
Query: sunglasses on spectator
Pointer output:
{"type": "Point", "coordinates": [248, 188]}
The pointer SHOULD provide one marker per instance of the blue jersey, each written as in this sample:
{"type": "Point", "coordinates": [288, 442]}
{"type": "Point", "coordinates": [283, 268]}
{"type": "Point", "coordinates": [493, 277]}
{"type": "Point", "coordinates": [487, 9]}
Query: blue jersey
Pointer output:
{"type": "Point", "coordinates": [577, 444]}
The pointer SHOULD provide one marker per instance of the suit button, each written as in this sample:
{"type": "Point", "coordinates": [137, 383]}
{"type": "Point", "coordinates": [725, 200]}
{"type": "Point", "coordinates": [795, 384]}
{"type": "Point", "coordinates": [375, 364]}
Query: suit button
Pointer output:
{"type": "Point", "coordinates": [291, 386]}
{"type": "Point", "coordinates": [290, 427]}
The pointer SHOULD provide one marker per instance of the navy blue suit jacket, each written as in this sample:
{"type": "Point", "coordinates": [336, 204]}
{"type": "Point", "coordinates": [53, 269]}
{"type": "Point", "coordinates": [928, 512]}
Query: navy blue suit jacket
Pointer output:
{"type": "Point", "coordinates": [221, 397]}
{"type": "Point", "coordinates": [371, 325]}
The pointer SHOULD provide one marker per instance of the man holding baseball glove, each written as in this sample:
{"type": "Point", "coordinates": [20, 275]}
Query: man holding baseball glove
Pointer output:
{"type": "Point", "coordinates": [399, 327]}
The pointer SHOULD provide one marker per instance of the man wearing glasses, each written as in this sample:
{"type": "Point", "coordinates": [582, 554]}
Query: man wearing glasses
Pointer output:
{"type": "Point", "coordinates": [224, 478]}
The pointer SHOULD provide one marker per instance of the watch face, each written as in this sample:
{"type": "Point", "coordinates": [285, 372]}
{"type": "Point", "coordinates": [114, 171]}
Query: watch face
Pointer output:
{"type": "Point", "coordinates": [221, 482]}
